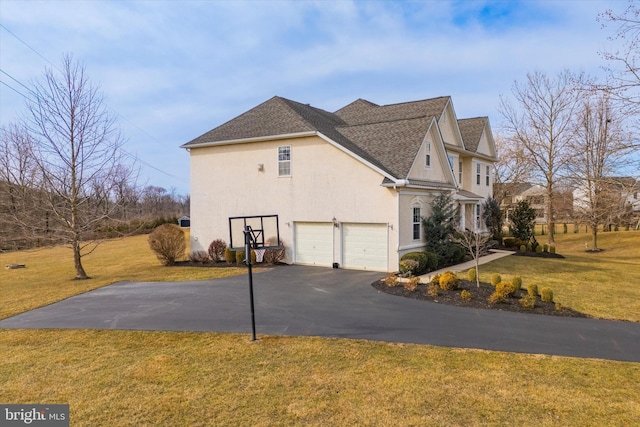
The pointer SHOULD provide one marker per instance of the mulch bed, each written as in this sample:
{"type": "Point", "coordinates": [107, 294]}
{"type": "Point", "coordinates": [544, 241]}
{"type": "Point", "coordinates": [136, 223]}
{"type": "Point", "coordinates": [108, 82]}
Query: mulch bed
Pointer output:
{"type": "Point", "coordinates": [479, 297]}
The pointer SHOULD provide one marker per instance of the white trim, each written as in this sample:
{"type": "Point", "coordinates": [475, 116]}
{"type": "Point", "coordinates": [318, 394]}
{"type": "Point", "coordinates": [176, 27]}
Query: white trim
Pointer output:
{"type": "Point", "coordinates": [248, 140]}
{"type": "Point", "coordinates": [412, 246]}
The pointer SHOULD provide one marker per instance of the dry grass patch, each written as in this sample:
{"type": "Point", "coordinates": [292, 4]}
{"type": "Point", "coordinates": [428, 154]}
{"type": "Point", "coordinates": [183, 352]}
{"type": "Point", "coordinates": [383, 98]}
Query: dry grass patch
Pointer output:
{"type": "Point", "coordinates": [604, 285]}
{"type": "Point", "coordinates": [158, 378]}
{"type": "Point", "coordinates": [49, 274]}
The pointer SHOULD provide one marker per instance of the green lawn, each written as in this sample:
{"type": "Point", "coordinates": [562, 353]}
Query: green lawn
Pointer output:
{"type": "Point", "coordinates": [604, 285]}
{"type": "Point", "coordinates": [127, 378]}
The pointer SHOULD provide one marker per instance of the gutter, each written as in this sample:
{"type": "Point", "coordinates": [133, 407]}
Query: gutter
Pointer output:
{"type": "Point", "coordinates": [189, 145]}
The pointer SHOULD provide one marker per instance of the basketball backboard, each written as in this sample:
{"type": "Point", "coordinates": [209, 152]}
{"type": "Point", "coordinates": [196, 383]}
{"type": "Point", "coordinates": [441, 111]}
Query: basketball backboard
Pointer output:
{"type": "Point", "coordinates": [265, 231]}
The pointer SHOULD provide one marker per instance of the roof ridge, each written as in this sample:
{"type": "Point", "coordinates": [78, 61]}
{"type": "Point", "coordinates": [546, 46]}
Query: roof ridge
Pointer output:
{"type": "Point", "coordinates": [416, 101]}
{"type": "Point", "coordinates": [426, 116]}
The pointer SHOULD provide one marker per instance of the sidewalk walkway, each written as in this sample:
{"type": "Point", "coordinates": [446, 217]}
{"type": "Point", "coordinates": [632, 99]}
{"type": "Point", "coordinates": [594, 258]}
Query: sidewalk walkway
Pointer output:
{"type": "Point", "coordinates": [495, 254]}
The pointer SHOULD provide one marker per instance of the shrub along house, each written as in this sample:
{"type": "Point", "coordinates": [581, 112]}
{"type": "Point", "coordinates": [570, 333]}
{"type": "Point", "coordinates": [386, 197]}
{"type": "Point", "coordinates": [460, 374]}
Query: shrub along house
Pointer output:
{"type": "Point", "coordinates": [350, 187]}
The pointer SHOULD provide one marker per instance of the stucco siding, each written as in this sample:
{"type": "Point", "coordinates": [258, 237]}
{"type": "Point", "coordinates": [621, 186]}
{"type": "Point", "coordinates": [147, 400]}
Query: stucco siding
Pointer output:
{"type": "Point", "coordinates": [325, 183]}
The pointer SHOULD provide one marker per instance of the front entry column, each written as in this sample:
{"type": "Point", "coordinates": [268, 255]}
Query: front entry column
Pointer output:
{"type": "Point", "coordinates": [463, 215]}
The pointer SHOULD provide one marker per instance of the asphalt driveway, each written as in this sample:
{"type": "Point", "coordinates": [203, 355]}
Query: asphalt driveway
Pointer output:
{"type": "Point", "coordinates": [312, 301]}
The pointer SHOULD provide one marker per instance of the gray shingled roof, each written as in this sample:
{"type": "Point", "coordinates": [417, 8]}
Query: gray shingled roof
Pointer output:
{"type": "Point", "coordinates": [388, 136]}
{"type": "Point", "coordinates": [361, 112]}
{"type": "Point", "coordinates": [471, 131]}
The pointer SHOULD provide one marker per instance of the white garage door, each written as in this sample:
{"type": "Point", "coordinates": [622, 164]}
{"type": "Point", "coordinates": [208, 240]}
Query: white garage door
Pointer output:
{"type": "Point", "coordinates": [365, 246]}
{"type": "Point", "coordinates": [314, 243]}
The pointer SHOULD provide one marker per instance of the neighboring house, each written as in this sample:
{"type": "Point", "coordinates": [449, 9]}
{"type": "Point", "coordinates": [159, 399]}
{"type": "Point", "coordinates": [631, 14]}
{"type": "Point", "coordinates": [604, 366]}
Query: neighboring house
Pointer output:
{"type": "Point", "coordinates": [511, 193]}
{"type": "Point", "coordinates": [349, 187]}
{"type": "Point", "coordinates": [621, 196]}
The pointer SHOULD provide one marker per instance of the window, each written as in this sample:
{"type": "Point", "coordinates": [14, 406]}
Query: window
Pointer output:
{"type": "Point", "coordinates": [478, 173]}
{"type": "Point", "coordinates": [416, 223]}
{"type": "Point", "coordinates": [460, 172]}
{"type": "Point", "coordinates": [450, 162]}
{"type": "Point", "coordinates": [487, 172]}
{"type": "Point", "coordinates": [284, 160]}
{"type": "Point", "coordinates": [427, 160]}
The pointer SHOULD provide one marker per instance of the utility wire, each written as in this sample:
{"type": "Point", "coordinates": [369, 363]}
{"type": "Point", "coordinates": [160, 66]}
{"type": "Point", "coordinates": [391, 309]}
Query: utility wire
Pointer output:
{"type": "Point", "coordinates": [132, 156]}
{"type": "Point", "coordinates": [14, 89]}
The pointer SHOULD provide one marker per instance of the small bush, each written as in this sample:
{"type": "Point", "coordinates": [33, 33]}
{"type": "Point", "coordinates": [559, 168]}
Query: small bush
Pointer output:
{"type": "Point", "coordinates": [230, 256]}
{"type": "Point", "coordinates": [435, 280]}
{"type": "Point", "coordinates": [199, 256]}
{"type": "Point", "coordinates": [168, 243]}
{"type": "Point", "coordinates": [529, 246]}
{"type": "Point", "coordinates": [216, 250]}
{"type": "Point", "coordinates": [432, 261]}
{"type": "Point", "coordinates": [495, 279]}
{"type": "Point", "coordinates": [528, 301]}
{"type": "Point", "coordinates": [391, 280]}
{"type": "Point", "coordinates": [420, 257]}
{"type": "Point", "coordinates": [471, 274]}
{"type": "Point", "coordinates": [552, 249]}
{"type": "Point", "coordinates": [546, 294]}
{"type": "Point", "coordinates": [496, 298]}
{"type": "Point", "coordinates": [532, 290]}
{"type": "Point", "coordinates": [509, 242]}
{"type": "Point", "coordinates": [539, 249]}
{"type": "Point", "coordinates": [274, 255]}
{"type": "Point", "coordinates": [545, 248]}
{"type": "Point", "coordinates": [506, 289]}
{"type": "Point", "coordinates": [240, 257]}
{"type": "Point", "coordinates": [433, 290]}
{"type": "Point", "coordinates": [465, 295]}
{"type": "Point", "coordinates": [409, 267]}
{"type": "Point", "coordinates": [412, 284]}
{"type": "Point", "coordinates": [448, 281]}
{"type": "Point", "coordinates": [523, 248]}
{"type": "Point", "coordinates": [517, 282]}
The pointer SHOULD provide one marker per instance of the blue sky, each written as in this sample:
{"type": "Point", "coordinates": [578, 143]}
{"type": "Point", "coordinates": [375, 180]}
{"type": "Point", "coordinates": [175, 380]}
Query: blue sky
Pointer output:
{"type": "Point", "coordinates": [172, 70]}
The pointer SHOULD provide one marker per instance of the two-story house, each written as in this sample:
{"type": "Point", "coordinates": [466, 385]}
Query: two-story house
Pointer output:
{"type": "Point", "coordinates": [351, 187]}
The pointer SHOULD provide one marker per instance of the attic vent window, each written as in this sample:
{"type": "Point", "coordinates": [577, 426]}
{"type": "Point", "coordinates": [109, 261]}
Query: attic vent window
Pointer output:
{"type": "Point", "coordinates": [284, 160]}
{"type": "Point", "coordinates": [427, 160]}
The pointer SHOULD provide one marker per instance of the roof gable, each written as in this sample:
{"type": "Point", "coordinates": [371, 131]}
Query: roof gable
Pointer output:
{"type": "Point", "coordinates": [273, 117]}
{"type": "Point", "coordinates": [394, 143]}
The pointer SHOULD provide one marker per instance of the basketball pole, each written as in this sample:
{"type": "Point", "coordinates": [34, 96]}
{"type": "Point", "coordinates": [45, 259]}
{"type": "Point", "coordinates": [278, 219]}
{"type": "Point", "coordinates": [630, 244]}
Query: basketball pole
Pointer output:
{"type": "Point", "coordinates": [247, 254]}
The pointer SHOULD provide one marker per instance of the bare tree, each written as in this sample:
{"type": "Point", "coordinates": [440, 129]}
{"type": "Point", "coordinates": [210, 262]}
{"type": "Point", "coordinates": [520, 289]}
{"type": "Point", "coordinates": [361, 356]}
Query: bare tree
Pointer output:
{"type": "Point", "coordinates": [601, 150]}
{"type": "Point", "coordinates": [541, 123]}
{"type": "Point", "coordinates": [77, 150]}
{"type": "Point", "coordinates": [512, 165]}
{"type": "Point", "coordinates": [21, 219]}
{"type": "Point", "coordinates": [475, 244]}
{"type": "Point", "coordinates": [624, 63]}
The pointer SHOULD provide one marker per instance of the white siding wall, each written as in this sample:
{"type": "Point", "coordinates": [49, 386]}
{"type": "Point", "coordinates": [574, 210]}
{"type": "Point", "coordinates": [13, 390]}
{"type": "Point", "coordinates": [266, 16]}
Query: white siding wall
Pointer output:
{"type": "Point", "coordinates": [325, 183]}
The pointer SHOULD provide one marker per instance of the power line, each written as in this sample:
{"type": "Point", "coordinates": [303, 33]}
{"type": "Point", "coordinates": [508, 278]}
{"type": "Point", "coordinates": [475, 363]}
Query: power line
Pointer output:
{"type": "Point", "coordinates": [147, 164]}
{"type": "Point", "coordinates": [13, 89]}
{"type": "Point", "coordinates": [27, 45]}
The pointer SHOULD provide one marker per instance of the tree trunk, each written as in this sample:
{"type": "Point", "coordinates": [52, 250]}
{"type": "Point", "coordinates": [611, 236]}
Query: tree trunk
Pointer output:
{"type": "Point", "coordinates": [549, 209]}
{"type": "Point", "coordinates": [77, 260]}
{"type": "Point", "coordinates": [594, 236]}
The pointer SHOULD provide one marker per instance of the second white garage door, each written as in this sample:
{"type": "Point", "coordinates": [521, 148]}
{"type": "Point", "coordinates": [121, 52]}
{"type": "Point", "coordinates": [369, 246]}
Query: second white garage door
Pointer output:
{"type": "Point", "coordinates": [365, 246]}
{"type": "Point", "coordinates": [314, 243]}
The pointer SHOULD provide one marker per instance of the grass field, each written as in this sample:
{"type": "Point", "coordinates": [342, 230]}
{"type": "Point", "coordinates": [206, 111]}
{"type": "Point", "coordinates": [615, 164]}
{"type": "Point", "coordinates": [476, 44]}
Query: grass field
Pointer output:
{"type": "Point", "coordinates": [127, 378]}
{"type": "Point", "coordinates": [604, 285]}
